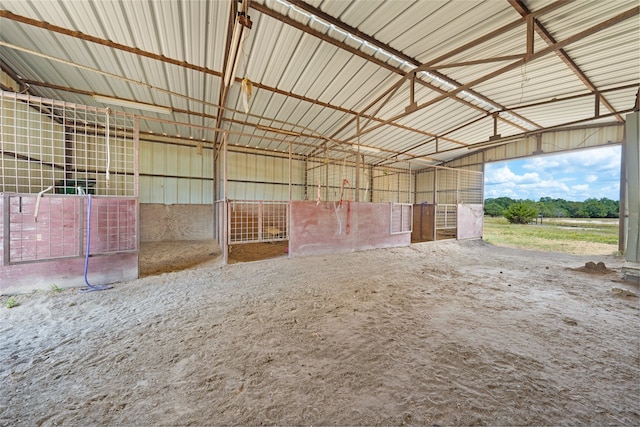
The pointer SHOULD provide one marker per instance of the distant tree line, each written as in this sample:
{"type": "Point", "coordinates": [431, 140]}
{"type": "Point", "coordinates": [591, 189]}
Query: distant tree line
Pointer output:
{"type": "Point", "coordinates": [551, 208]}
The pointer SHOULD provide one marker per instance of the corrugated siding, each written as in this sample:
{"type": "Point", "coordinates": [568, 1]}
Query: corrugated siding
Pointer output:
{"type": "Point", "coordinates": [288, 59]}
{"type": "Point", "coordinates": [263, 177]}
{"type": "Point", "coordinates": [551, 142]}
{"type": "Point", "coordinates": [172, 174]}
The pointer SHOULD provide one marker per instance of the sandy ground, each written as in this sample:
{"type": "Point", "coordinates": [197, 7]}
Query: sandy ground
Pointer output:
{"type": "Point", "coordinates": [445, 333]}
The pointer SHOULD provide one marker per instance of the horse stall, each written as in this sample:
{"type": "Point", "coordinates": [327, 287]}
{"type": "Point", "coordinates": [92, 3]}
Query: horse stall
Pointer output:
{"type": "Point", "coordinates": [68, 195]}
{"type": "Point", "coordinates": [447, 202]}
{"type": "Point", "coordinates": [165, 196]}
{"type": "Point", "coordinates": [177, 194]}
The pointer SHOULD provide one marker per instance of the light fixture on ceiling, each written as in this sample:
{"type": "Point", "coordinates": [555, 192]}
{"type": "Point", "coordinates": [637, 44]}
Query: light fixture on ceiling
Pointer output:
{"type": "Point", "coordinates": [241, 28]}
{"type": "Point", "coordinates": [365, 148]}
{"type": "Point", "coordinates": [430, 161]}
{"type": "Point", "coordinates": [132, 104]}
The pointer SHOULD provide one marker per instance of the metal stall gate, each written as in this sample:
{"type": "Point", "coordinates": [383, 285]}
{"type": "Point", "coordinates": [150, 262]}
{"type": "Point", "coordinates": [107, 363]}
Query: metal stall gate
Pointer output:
{"type": "Point", "coordinates": [257, 221]}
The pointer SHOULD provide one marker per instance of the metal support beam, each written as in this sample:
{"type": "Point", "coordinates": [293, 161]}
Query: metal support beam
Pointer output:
{"type": "Point", "coordinates": [541, 53]}
{"type": "Point", "coordinates": [530, 39]}
{"type": "Point", "coordinates": [564, 56]}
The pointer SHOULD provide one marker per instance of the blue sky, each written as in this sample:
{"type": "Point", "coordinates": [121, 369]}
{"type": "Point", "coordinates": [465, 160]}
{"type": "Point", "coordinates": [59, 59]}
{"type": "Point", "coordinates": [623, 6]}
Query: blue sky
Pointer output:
{"type": "Point", "coordinates": [577, 175]}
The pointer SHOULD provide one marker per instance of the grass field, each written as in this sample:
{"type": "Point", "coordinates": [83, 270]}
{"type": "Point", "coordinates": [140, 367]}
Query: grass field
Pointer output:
{"type": "Point", "coordinates": [569, 235]}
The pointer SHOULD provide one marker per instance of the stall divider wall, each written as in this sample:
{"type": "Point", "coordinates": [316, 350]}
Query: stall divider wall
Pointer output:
{"type": "Point", "coordinates": [334, 227]}
{"type": "Point", "coordinates": [54, 155]}
{"type": "Point", "coordinates": [51, 251]}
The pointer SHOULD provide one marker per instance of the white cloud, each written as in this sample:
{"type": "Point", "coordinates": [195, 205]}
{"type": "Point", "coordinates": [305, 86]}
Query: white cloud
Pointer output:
{"type": "Point", "coordinates": [580, 188]}
{"type": "Point", "coordinates": [505, 175]}
{"type": "Point", "coordinates": [542, 163]}
{"type": "Point", "coordinates": [601, 159]}
{"type": "Point", "coordinates": [571, 176]}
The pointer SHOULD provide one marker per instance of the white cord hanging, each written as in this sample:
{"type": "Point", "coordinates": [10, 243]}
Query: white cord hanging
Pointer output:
{"type": "Point", "coordinates": [108, 148]}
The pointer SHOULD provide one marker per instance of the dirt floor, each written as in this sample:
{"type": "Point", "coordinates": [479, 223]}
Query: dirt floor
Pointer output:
{"type": "Point", "coordinates": [440, 333]}
{"type": "Point", "coordinates": [170, 256]}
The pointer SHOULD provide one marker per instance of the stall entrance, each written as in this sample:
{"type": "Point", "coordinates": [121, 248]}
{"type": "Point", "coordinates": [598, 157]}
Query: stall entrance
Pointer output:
{"type": "Point", "coordinates": [257, 229]}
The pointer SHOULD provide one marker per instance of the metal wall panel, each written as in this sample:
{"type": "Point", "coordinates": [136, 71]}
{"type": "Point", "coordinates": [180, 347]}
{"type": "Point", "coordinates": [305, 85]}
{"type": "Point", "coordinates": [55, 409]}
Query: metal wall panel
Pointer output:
{"type": "Point", "coordinates": [172, 174]}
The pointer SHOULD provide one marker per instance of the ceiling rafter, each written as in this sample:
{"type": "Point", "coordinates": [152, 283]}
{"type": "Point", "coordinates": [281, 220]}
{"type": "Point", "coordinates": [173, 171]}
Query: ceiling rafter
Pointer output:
{"type": "Point", "coordinates": [432, 65]}
{"type": "Point", "coordinates": [211, 117]}
{"type": "Point", "coordinates": [224, 89]}
{"type": "Point", "coordinates": [564, 56]}
{"type": "Point", "coordinates": [97, 40]}
{"type": "Point", "coordinates": [136, 51]}
{"type": "Point", "coordinates": [519, 107]}
{"type": "Point", "coordinates": [289, 21]}
{"type": "Point", "coordinates": [550, 49]}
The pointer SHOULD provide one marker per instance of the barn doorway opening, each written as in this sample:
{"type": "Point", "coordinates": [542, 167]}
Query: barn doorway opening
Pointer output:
{"type": "Point", "coordinates": [575, 197]}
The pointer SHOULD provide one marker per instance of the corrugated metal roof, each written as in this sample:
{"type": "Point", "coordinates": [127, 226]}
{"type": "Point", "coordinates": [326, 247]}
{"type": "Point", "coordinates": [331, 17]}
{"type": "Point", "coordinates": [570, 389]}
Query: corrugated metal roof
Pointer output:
{"type": "Point", "coordinates": [317, 65]}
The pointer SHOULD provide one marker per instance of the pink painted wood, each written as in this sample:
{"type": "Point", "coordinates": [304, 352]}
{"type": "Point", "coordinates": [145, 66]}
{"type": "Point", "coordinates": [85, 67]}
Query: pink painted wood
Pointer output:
{"type": "Point", "coordinates": [322, 229]}
{"type": "Point", "coordinates": [51, 248]}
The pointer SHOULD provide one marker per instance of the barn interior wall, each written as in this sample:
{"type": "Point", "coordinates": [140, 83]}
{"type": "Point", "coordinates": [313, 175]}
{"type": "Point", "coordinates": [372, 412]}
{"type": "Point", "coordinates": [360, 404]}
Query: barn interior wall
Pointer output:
{"type": "Point", "coordinates": [548, 142]}
{"type": "Point", "coordinates": [172, 173]}
{"type": "Point", "coordinates": [160, 222]}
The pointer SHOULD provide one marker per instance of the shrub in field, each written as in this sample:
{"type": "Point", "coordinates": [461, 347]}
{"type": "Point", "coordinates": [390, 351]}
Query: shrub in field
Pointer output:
{"type": "Point", "coordinates": [521, 212]}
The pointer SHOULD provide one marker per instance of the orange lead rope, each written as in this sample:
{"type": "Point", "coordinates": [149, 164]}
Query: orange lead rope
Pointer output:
{"type": "Point", "coordinates": [345, 182]}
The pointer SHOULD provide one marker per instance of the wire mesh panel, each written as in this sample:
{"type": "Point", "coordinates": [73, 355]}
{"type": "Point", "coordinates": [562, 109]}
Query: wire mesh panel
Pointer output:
{"type": "Point", "coordinates": [53, 227]}
{"type": "Point", "coordinates": [64, 147]}
{"type": "Point", "coordinates": [391, 185]}
{"type": "Point", "coordinates": [471, 187]}
{"type": "Point", "coordinates": [112, 225]}
{"type": "Point", "coordinates": [446, 186]}
{"type": "Point", "coordinates": [425, 186]}
{"type": "Point", "coordinates": [446, 221]}
{"type": "Point", "coordinates": [337, 179]}
{"type": "Point", "coordinates": [258, 221]}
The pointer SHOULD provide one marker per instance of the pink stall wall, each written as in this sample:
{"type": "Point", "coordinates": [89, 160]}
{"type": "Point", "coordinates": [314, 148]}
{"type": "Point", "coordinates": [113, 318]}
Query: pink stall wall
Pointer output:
{"type": "Point", "coordinates": [50, 250]}
{"type": "Point", "coordinates": [328, 228]}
